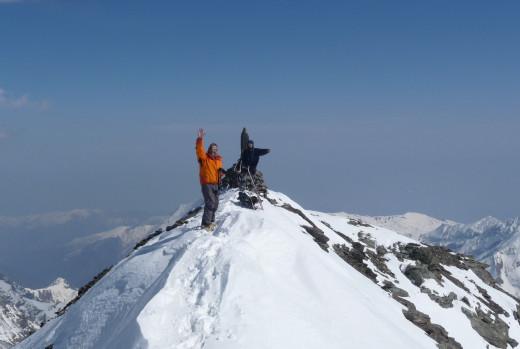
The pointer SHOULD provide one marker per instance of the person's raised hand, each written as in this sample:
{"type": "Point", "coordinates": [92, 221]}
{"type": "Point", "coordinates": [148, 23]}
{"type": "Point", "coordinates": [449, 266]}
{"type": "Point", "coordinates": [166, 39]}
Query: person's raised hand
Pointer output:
{"type": "Point", "coordinates": [201, 133]}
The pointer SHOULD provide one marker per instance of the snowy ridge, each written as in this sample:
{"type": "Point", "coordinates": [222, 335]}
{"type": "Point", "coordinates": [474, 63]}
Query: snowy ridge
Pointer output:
{"type": "Point", "coordinates": [126, 234]}
{"type": "Point", "coordinates": [489, 240]}
{"type": "Point", "coordinates": [410, 224]}
{"type": "Point", "coordinates": [284, 278]}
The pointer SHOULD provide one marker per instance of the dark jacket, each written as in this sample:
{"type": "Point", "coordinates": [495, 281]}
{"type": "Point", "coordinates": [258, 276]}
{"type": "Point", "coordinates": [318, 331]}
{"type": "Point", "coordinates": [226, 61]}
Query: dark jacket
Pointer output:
{"type": "Point", "coordinates": [250, 158]}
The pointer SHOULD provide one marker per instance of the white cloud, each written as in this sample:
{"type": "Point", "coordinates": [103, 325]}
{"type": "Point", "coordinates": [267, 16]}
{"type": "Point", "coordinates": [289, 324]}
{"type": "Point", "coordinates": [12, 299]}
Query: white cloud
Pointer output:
{"type": "Point", "coordinates": [9, 101]}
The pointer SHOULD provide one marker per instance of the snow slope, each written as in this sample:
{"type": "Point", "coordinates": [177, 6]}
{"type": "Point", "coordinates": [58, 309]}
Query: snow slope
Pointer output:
{"type": "Point", "coordinates": [271, 279]}
{"type": "Point", "coordinates": [489, 240]}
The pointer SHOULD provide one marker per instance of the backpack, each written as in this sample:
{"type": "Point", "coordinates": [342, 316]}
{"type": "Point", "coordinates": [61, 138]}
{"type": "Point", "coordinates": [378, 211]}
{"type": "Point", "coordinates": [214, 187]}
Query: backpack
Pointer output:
{"type": "Point", "coordinates": [246, 200]}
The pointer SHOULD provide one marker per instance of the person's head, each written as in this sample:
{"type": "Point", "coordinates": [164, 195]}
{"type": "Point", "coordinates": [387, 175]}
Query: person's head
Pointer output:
{"type": "Point", "coordinates": [250, 144]}
{"type": "Point", "coordinates": [213, 149]}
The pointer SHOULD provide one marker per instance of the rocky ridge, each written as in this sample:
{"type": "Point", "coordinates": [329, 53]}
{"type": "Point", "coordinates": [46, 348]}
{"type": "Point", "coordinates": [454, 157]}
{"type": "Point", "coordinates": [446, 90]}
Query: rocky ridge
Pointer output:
{"type": "Point", "coordinates": [411, 273]}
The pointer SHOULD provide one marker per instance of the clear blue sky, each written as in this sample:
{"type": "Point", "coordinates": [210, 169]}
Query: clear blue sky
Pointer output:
{"type": "Point", "coordinates": [369, 107]}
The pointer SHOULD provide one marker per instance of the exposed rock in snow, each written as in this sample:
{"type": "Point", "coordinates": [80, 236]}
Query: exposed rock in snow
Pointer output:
{"type": "Point", "coordinates": [489, 240]}
{"type": "Point", "coordinates": [285, 277]}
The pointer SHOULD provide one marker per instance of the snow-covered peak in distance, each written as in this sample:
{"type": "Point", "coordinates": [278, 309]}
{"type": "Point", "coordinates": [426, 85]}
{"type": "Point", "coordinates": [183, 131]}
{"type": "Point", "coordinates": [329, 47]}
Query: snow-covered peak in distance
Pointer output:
{"type": "Point", "coordinates": [284, 277]}
{"type": "Point", "coordinates": [58, 292]}
{"type": "Point", "coordinates": [410, 224]}
{"type": "Point", "coordinates": [22, 311]}
{"type": "Point", "coordinates": [489, 240]}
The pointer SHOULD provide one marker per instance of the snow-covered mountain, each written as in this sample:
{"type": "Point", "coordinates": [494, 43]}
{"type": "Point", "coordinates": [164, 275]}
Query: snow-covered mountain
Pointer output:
{"type": "Point", "coordinates": [489, 240]}
{"type": "Point", "coordinates": [58, 292]}
{"type": "Point", "coordinates": [410, 224]}
{"type": "Point", "coordinates": [285, 277]}
{"type": "Point", "coordinates": [22, 311]}
{"type": "Point", "coordinates": [48, 246]}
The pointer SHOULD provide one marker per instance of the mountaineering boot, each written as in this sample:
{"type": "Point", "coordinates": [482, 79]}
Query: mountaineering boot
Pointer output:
{"type": "Point", "coordinates": [206, 227]}
{"type": "Point", "coordinates": [212, 226]}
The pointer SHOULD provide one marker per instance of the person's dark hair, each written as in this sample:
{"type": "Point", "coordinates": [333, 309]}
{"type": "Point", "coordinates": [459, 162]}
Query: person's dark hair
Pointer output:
{"type": "Point", "coordinates": [211, 145]}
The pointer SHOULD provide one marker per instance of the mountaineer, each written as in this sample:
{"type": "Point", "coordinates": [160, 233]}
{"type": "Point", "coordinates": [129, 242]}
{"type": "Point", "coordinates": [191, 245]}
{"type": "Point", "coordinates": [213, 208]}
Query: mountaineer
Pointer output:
{"type": "Point", "coordinates": [210, 173]}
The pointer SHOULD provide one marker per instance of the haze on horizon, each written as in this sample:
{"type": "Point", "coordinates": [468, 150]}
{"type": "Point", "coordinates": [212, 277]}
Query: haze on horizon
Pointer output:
{"type": "Point", "coordinates": [373, 108]}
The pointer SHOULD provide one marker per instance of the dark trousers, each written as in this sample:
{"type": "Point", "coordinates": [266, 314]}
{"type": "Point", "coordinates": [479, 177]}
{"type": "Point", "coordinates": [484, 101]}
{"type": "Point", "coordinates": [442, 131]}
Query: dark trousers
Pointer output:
{"type": "Point", "coordinates": [210, 194]}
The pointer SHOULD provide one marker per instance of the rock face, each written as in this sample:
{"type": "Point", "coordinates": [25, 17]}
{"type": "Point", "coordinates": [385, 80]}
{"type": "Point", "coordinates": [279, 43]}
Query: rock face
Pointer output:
{"type": "Point", "coordinates": [425, 262]}
{"type": "Point", "coordinates": [232, 180]}
{"type": "Point", "coordinates": [489, 240]}
{"type": "Point", "coordinates": [428, 263]}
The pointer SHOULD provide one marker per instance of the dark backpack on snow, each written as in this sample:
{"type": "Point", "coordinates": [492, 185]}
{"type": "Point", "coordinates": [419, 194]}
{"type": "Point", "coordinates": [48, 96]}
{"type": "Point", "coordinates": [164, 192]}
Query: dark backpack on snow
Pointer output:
{"type": "Point", "coordinates": [246, 200]}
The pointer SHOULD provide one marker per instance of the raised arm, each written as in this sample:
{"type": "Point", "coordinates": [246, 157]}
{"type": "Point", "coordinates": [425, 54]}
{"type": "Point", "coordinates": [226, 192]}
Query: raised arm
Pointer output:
{"type": "Point", "coordinates": [199, 145]}
{"type": "Point", "coordinates": [262, 151]}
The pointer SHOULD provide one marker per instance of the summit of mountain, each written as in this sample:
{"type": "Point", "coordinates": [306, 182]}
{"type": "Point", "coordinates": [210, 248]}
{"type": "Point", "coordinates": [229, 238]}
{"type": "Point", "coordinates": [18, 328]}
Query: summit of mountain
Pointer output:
{"type": "Point", "coordinates": [285, 277]}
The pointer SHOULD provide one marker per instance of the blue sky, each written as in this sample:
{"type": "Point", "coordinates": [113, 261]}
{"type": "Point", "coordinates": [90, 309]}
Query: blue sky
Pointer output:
{"type": "Point", "coordinates": [369, 107]}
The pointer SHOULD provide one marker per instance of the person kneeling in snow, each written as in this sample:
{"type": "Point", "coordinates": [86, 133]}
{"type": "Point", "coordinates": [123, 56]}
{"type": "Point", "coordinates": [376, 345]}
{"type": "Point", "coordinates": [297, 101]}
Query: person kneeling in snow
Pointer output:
{"type": "Point", "coordinates": [210, 173]}
{"type": "Point", "coordinates": [250, 157]}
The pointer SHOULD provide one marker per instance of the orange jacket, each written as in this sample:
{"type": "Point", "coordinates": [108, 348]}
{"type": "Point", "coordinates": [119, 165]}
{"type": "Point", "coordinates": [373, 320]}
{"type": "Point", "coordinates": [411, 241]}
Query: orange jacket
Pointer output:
{"type": "Point", "coordinates": [208, 165]}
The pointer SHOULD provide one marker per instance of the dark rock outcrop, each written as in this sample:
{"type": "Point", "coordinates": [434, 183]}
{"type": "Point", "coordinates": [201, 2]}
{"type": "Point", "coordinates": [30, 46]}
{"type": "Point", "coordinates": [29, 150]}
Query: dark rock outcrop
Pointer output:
{"type": "Point", "coordinates": [355, 257]}
{"type": "Point", "coordinates": [423, 321]}
{"type": "Point", "coordinates": [428, 263]}
{"type": "Point", "coordinates": [443, 301]}
{"type": "Point", "coordinates": [490, 327]}
{"type": "Point", "coordinates": [232, 180]}
{"type": "Point", "coordinates": [178, 223]}
{"type": "Point", "coordinates": [319, 236]}
{"type": "Point", "coordinates": [394, 290]}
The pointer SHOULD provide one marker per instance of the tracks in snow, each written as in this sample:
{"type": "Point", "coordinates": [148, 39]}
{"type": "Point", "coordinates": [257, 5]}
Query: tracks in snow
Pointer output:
{"type": "Point", "coordinates": [193, 290]}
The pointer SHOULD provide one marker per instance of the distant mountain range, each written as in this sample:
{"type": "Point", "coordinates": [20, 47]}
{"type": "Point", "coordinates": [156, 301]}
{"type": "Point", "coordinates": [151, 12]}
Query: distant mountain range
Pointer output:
{"type": "Point", "coordinates": [49, 248]}
{"type": "Point", "coordinates": [410, 224]}
{"type": "Point", "coordinates": [81, 243]}
{"type": "Point", "coordinates": [489, 240]}
{"type": "Point", "coordinates": [74, 245]}
{"type": "Point", "coordinates": [23, 311]}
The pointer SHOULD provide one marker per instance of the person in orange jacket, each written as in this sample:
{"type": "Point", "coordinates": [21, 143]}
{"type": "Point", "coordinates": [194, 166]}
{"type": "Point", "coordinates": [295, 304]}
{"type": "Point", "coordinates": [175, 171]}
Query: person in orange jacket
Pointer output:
{"type": "Point", "coordinates": [210, 173]}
